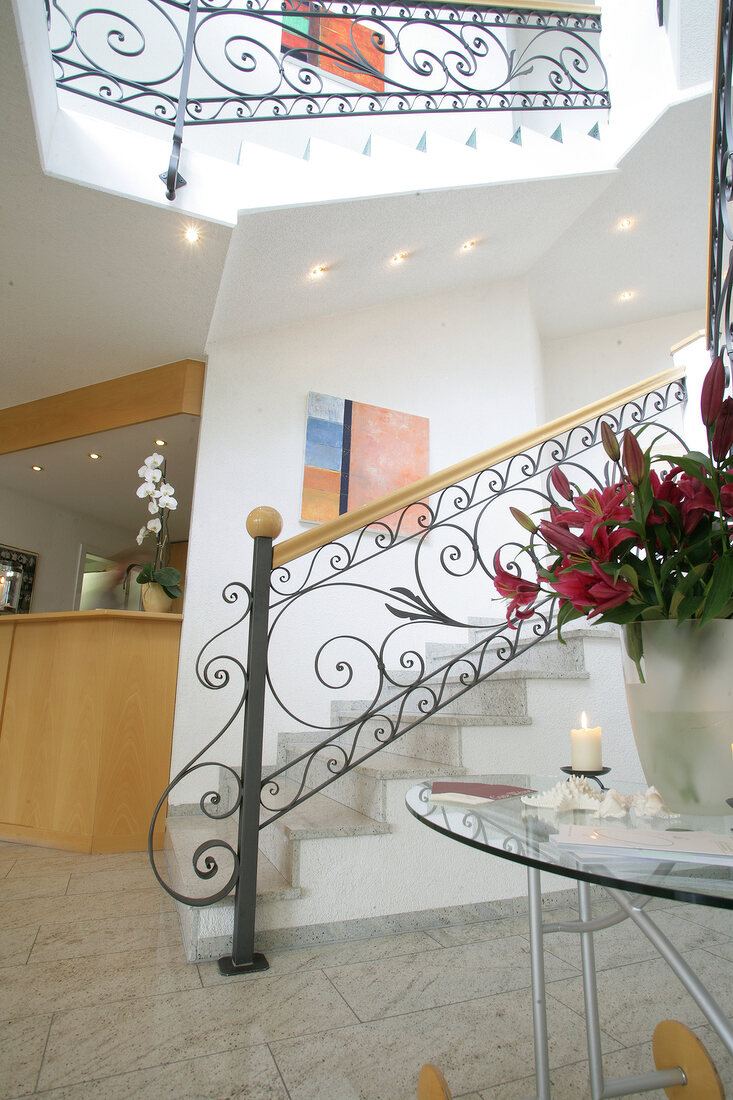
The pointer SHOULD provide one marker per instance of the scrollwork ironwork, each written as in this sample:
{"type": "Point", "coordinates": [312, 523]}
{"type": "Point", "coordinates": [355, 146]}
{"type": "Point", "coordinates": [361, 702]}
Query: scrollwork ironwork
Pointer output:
{"type": "Point", "coordinates": [389, 58]}
{"type": "Point", "coordinates": [214, 673]}
{"type": "Point", "coordinates": [720, 252]}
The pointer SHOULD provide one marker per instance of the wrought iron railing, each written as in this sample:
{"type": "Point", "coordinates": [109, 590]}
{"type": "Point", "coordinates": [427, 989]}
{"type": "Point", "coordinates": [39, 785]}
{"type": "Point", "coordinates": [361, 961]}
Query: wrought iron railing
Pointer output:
{"type": "Point", "coordinates": [720, 244]}
{"type": "Point", "coordinates": [207, 62]}
{"type": "Point", "coordinates": [342, 619]}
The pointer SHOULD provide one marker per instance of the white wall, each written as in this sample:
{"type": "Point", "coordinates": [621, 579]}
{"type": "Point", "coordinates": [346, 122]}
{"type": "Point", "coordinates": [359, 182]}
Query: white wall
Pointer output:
{"type": "Point", "coordinates": [468, 361]}
{"type": "Point", "coordinates": [581, 368]}
{"type": "Point", "coordinates": [56, 536]}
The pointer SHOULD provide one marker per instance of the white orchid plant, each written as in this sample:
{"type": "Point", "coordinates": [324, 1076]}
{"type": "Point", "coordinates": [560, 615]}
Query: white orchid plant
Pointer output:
{"type": "Point", "coordinates": [161, 502]}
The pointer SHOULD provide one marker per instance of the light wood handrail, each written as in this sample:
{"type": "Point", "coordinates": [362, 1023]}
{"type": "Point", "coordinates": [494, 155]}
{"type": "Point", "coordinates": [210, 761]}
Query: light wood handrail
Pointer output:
{"type": "Point", "coordinates": [295, 547]}
{"type": "Point", "coordinates": [539, 5]}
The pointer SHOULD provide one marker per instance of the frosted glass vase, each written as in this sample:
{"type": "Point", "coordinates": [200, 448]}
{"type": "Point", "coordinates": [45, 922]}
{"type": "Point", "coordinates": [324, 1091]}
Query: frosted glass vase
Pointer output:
{"type": "Point", "coordinates": [679, 688]}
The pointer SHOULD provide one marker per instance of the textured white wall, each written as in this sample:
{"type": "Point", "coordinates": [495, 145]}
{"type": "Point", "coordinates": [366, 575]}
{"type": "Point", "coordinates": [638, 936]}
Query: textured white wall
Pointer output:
{"type": "Point", "coordinates": [580, 368]}
{"type": "Point", "coordinates": [468, 361]}
{"type": "Point", "coordinates": [56, 536]}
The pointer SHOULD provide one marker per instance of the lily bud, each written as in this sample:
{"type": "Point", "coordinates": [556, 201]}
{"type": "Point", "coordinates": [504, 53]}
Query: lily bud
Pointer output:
{"type": "Point", "coordinates": [713, 389]}
{"type": "Point", "coordinates": [523, 519]}
{"type": "Point", "coordinates": [610, 441]}
{"type": "Point", "coordinates": [723, 437]}
{"type": "Point", "coordinates": [562, 539]}
{"type": "Point", "coordinates": [633, 458]}
{"type": "Point", "coordinates": [561, 483]}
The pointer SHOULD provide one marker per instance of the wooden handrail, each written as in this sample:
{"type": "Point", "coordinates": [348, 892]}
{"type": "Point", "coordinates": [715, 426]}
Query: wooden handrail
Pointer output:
{"type": "Point", "coordinates": [308, 541]}
{"type": "Point", "coordinates": [539, 5]}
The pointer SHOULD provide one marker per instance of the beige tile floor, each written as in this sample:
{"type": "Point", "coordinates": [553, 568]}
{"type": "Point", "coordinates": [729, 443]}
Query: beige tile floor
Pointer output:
{"type": "Point", "coordinates": [97, 1000]}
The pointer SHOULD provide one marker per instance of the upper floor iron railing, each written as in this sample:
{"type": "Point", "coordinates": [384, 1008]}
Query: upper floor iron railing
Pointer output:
{"type": "Point", "coordinates": [720, 244]}
{"type": "Point", "coordinates": [365, 627]}
{"type": "Point", "coordinates": [206, 62]}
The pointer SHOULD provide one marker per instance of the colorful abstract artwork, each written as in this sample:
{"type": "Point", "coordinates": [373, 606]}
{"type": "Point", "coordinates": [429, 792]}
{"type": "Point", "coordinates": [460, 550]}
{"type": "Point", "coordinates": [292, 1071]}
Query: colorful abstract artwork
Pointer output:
{"type": "Point", "coordinates": [356, 453]}
{"type": "Point", "coordinates": [336, 45]}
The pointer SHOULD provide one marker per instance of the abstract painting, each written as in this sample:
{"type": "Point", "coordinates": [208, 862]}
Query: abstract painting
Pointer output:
{"type": "Point", "coordinates": [335, 45]}
{"type": "Point", "coordinates": [356, 453]}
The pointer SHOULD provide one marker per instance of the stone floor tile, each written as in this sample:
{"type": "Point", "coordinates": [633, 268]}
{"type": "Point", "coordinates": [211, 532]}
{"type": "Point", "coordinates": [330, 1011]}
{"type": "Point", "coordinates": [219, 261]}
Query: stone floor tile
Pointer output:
{"type": "Point", "coordinates": [16, 944]}
{"type": "Point", "coordinates": [79, 907]}
{"type": "Point", "coordinates": [475, 1043]}
{"type": "Point", "coordinates": [22, 1043]}
{"type": "Point", "coordinates": [247, 1073]}
{"type": "Point", "coordinates": [720, 1055]}
{"type": "Point", "coordinates": [17, 887]}
{"type": "Point", "coordinates": [121, 878]}
{"type": "Point", "coordinates": [572, 1082]}
{"type": "Point", "coordinates": [412, 982]}
{"type": "Point", "coordinates": [719, 919]}
{"type": "Point", "coordinates": [625, 943]}
{"type": "Point", "coordinates": [493, 929]}
{"type": "Point", "coordinates": [75, 983]}
{"type": "Point", "coordinates": [633, 999]}
{"type": "Point", "coordinates": [295, 959]}
{"type": "Point", "coordinates": [106, 937]}
{"type": "Point", "coordinates": [134, 1035]}
{"type": "Point", "coordinates": [6, 865]}
{"type": "Point", "coordinates": [41, 861]}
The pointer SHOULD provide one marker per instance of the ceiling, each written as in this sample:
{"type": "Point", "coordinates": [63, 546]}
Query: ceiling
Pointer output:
{"type": "Point", "coordinates": [95, 286]}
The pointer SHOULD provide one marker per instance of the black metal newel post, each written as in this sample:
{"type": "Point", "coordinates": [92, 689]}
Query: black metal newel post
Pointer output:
{"type": "Point", "coordinates": [264, 525]}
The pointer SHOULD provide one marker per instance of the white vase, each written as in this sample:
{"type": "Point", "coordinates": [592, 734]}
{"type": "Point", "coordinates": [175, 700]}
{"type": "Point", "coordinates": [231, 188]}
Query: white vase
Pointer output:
{"type": "Point", "coordinates": [155, 598]}
{"type": "Point", "coordinates": [680, 697]}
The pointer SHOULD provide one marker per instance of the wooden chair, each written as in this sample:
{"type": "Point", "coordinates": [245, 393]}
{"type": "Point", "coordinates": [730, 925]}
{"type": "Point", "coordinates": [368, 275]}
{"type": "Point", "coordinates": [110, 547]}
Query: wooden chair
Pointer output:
{"type": "Point", "coordinates": [432, 1085]}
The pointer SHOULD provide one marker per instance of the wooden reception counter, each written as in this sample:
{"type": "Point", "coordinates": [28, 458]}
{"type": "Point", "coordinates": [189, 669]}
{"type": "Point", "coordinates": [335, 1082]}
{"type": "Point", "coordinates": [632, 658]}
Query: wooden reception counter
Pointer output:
{"type": "Point", "coordinates": [86, 726]}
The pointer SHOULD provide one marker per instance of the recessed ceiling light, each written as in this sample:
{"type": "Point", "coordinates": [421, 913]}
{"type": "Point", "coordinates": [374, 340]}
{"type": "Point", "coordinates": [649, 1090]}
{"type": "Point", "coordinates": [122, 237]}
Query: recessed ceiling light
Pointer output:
{"type": "Point", "coordinates": [36, 468]}
{"type": "Point", "coordinates": [468, 246]}
{"type": "Point", "coordinates": [624, 223]}
{"type": "Point", "coordinates": [626, 296]}
{"type": "Point", "coordinates": [399, 257]}
{"type": "Point", "coordinates": [191, 234]}
{"type": "Point", "coordinates": [317, 271]}
{"type": "Point", "coordinates": [160, 442]}
{"type": "Point", "coordinates": [94, 455]}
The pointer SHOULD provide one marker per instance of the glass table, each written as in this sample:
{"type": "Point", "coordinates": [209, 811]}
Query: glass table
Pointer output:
{"type": "Point", "coordinates": [524, 834]}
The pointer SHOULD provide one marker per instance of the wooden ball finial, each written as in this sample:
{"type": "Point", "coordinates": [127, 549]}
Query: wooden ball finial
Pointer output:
{"type": "Point", "coordinates": [265, 523]}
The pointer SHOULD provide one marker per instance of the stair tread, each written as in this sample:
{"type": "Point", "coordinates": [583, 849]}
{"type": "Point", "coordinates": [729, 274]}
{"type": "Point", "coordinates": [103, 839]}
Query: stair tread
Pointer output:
{"type": "Point", "coordinates": [440, 719]}
{"type": "Point", "coordinates": [390, 765]}
{"type": "Point", "coordinates": [321, 816]}
{"type": "Point", "coordinates": [184, 834]}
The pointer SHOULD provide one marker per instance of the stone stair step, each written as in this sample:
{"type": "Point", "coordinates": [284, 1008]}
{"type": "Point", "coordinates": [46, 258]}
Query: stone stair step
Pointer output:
{"type": "Point", "coordinates": [316, 818]}
{"type": "Point", "coordinates": [363, 788]}
{"type": "Point", "coordinates": [506, 697]}
{"type": "Point", "coordinates": [443, 718]}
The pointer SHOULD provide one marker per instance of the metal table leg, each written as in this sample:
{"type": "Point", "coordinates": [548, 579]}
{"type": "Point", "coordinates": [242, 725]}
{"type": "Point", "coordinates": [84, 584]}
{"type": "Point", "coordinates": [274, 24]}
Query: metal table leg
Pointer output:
{"type": "Point", "coordinates": [539, 1008]}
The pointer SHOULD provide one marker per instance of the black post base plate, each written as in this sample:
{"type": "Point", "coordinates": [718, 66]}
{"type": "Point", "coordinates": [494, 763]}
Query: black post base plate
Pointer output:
{"type": "Point", "coordinates": [228, 967]}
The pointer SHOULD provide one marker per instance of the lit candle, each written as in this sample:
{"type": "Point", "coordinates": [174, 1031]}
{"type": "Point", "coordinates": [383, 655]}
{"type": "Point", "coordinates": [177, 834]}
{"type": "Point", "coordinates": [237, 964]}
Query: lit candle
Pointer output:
{"type": "Point", "coordinates": [585, 747]}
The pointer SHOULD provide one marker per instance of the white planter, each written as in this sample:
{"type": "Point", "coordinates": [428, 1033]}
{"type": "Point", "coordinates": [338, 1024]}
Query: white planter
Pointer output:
{"type": "Point", "coordinates": [682, 714]}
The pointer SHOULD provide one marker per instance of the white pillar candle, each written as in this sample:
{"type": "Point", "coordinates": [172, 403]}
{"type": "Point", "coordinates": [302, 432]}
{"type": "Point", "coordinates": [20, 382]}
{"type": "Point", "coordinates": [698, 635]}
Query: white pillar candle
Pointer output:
{"type": "Point", "coordinates": [585, 747]}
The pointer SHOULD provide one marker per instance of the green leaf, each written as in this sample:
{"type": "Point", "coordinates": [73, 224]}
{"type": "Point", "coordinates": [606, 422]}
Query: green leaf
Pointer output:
{"type": "Point", "coordinates": [626, 613]}
{"type": "Point", "coordinates": [720, 589]}
{"type": "Point", "coordinates": [689, 607]}
{"type": "Point", "coordinates": [168, 577]}
{"type": "Point", "coordinates": [566, 614]}
{"type": "Point", "coordinates": [694, 463]}
{"type": "Point", "coordinates": [172, 590]}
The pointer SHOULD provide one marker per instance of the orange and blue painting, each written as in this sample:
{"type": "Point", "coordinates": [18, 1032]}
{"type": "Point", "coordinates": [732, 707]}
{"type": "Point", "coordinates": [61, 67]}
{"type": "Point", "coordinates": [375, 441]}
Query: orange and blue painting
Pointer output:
{"type": "Point", "coordinates": [356, 453]}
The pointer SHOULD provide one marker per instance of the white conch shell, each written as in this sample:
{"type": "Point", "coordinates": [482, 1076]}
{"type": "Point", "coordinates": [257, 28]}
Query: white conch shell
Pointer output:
{"type": "Point", "coordinates": [614, 804]}
{"type": "Point", "coordinates": [574, 793]}
{"type": "Point", "coordinates": [651, 804]}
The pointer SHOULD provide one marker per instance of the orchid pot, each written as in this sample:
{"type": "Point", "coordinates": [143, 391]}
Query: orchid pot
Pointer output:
{"type": "Point", "coordinates": [155, 598]}
{"type": "Point", "coordinates": [680, 697]}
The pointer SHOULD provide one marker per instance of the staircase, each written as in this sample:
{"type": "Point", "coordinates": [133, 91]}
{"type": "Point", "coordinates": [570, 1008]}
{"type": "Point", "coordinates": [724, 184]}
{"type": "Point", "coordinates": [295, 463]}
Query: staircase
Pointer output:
{"type": "Point", "coordinates": [336, 864]}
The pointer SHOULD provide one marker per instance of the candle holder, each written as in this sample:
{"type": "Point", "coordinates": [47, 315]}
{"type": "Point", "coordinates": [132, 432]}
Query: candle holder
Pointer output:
{"type": "Point", "coordinates": [594, 775]}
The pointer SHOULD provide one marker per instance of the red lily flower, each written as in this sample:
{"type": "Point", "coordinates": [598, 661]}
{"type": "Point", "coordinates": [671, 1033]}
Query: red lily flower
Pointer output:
{"type": "Point", "coordinates": [523, 593]}
{"type": "Point", "coordinates": [713, 388]}
{"type": "Point", "coordinates": [723, 437]}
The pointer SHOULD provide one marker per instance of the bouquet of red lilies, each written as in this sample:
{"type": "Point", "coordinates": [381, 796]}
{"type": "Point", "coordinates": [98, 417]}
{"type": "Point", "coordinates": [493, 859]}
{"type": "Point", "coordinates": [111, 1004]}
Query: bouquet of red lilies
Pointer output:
{"type": "Point", "coordinates": [652, 544]}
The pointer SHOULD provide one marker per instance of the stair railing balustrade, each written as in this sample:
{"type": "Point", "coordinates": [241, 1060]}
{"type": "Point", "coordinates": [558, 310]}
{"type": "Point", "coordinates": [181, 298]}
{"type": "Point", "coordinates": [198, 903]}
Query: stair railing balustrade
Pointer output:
{"type": "Point", "coordinates": [369, 625]}
{"type": "Point", "coordinates": [184, 63]}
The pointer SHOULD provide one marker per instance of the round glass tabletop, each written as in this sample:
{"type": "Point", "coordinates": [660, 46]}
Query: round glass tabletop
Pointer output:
{"type": "Point", "coordinates": [509, 828]}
